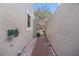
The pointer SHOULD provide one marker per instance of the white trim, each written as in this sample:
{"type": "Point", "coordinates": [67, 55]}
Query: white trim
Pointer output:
{"type": "Point", "coordinates": [28, 28]}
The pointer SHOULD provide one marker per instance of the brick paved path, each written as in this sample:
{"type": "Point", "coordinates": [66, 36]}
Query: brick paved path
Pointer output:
{"type": "Point", "coordinates": [41, 48]}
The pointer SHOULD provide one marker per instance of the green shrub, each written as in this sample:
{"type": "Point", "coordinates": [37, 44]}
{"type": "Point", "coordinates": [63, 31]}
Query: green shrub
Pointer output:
{"type": "Point", "coordinates": [13, 32]}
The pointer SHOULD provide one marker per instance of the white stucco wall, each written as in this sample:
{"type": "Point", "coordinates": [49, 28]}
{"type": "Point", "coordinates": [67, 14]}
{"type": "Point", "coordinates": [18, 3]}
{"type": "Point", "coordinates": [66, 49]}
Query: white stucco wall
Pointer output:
{"type": "Point", "coordinates": [63, 29]}
{"type": "Point", "coordinates": [15, 16]}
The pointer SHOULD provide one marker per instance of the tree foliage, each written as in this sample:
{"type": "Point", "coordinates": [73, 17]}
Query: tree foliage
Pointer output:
{"type": "Point", "coordinates": [42, 15]}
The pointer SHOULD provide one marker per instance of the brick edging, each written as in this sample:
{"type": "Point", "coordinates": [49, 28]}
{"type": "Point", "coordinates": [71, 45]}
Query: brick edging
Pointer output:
{"type": "Point", "coordinates": [50, 44]}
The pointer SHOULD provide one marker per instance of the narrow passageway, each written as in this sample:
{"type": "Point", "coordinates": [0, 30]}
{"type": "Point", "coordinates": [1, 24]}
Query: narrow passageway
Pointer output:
{"type": "Point", "coordinates": [41, 47]}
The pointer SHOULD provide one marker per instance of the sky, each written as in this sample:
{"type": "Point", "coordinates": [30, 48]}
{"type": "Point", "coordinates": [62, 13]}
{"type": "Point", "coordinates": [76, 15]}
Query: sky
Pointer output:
{"type": "Point", "coordinates": [52, 6]}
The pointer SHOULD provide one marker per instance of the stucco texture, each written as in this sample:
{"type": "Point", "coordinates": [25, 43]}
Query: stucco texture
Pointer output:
{"type": "Point", "coordinates": [14, 15]}
{"type": "Point", "coordinates": [63, 30]}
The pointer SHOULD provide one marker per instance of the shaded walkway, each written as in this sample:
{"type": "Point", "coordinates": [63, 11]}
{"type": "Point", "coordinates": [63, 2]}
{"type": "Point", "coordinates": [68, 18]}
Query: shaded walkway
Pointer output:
{"type": "Point", "coordinates": [41, 48]}
{"type": "Point", "coordinates": [27, 51]}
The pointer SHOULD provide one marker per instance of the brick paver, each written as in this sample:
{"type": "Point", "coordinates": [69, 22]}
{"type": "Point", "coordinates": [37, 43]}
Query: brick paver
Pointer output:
{"type": "Point", "coordinates": [41, 48]}
{"type": "Point", "coordinates": [27, 51]}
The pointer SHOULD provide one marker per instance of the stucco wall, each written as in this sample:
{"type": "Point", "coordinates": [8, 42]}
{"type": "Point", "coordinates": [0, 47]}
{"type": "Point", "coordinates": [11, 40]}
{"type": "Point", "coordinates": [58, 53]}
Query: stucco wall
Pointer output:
{"type": "Point", "coordinates": [63, 29]}
{"type": "Point", "coordinates": [15, 16]}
